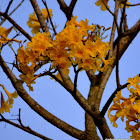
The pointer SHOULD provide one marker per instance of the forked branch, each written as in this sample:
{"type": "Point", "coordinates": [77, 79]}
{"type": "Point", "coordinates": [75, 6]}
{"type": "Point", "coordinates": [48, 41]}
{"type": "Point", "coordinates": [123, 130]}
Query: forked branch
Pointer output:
{"type": "Point", "coordinates": [22, 127]}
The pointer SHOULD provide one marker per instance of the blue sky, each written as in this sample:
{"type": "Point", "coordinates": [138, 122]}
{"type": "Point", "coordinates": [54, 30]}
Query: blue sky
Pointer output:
{"type": "Point", "coordinates": [47, 92]}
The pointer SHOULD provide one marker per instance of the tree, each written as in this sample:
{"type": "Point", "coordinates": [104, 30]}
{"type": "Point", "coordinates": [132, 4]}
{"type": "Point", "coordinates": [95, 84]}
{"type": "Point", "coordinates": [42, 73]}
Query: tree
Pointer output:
{"type": "Point", "coordinates": [80, 47]}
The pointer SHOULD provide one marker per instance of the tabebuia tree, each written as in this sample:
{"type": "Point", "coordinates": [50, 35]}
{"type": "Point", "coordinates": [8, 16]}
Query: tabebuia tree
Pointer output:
{"type": "Point", "coordinates": [78, 47]}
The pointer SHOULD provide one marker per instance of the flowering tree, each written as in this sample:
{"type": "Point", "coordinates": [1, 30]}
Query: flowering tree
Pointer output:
{"type": "Point", "coordinates": [78, 47]}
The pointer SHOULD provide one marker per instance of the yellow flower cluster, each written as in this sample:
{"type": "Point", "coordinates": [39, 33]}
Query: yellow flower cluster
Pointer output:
{"type": "Point", "coordinates": [128, 107]}
{"type": "Point", "coordinates": [104, 3]}
{"type": "Point", "coordinates": [72, 46]}
{"type": "Point", "coordinates": [34, 23]}
{"type": "Point", "coordinates": [6, 105]}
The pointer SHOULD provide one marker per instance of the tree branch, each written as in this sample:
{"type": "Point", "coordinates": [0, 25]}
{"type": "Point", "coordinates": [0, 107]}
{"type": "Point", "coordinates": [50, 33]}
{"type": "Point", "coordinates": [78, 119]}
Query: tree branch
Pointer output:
{"type": "Point", "coordinates": [67, 10]}
{"type": "Point", "coordinates": [44, 2]}
{"type": "Point", "coordinates": [12, 12]}
{"type": "Point", "coordinates": [8, 7]}
{"type": "Point", "coordinates": [109, 101]}
{"type": "Point", "coordinates": [26, 129]}
{"type": "Point", "coordinates": [39, 15]}
{"type": "Point", "coordinates": [16, 25]}
{"type": "Point", "coordinates": [72, 4]}
{"type": "Point", "coordinates": [113, 28]}
{"type": "Point", "coordinates": [99, 120]}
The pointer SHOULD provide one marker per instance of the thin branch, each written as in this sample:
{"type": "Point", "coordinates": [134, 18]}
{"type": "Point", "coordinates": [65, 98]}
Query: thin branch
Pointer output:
{"type": "Point", "coordinates": [8, 42]}
{"type": "Point", "coordinates": [72, 4]}
{"type": "Point", "coordinates": [109, 101]}
{"type": "Point", "coordinates": [26, 129]}
{"type": "Point", "coordinates": [114, 15]}
{"type": "Point", "coordinates": [113, 28]}
{"type": "Point", "coordinates": [132, 4]}
{"type": "Point", "coordinates": [117, 56]}
{"type": "Point", "coordinates": [75, 81]}
{"type": "Point", "coordinates": [16, 25]}
{"type": "Point", "coordinates": [44, 2]}
{"type": "Point", "coordinates": [108, 8]}
{"type": "Point", "coordinates": [12, 12]}
{"type": "Point", "coordinates": [8, 7]}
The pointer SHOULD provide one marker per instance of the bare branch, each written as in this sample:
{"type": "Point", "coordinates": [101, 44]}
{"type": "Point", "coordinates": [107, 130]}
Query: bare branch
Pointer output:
{"type": "Point", "coordinates": [117, 56]}
{"type": "Point", "coordinates": [109, 101]}
{"type": "Point", "coordinates": [75, 80]}
{"type": "Point", "coordinates": [8, 7]}
{"type": "Point", "coordinates": [113, 28]}
{"type": "Point", "coordinates": [49, 17]}
{"type": "Point", "coordinates": [16, 25]}
{"type": "Point", "coordinates": [137, 4]}
{"type": "Point", "coordinates": [72, 4]}
{"type": "Point", "coordinates": [26, 129]}
{"type": "Point", "coordinates": [67, 10]}
{"type": "Point", "coordinates": [62, 4]}
{"type": "Point", "coordinates": [12, 12]}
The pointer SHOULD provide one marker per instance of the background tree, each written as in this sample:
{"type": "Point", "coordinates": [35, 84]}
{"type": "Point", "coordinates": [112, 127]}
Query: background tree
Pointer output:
{"type": "Point", "coordinates": [97, 73]}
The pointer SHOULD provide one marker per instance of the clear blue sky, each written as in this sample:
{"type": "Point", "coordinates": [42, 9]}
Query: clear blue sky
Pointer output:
{"type": "Point", "coordinates": [48, 93]}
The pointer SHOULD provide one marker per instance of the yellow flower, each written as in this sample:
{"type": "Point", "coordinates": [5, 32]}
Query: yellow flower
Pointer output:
{"type": "Point", "coordinates": [10, 95]}
{"type": "Point", "coordinates": [133, 81]}
{"type": "Point", "coordinates": [113, 120]}
{"type": "Point", "coordinates": [3, 35]}
{"type": "Point", "coordinates": [135, 135]}
{"type": "Point", "coordinates": [4, 105]}
{"type": "Point", "coordinates": [8, 104]}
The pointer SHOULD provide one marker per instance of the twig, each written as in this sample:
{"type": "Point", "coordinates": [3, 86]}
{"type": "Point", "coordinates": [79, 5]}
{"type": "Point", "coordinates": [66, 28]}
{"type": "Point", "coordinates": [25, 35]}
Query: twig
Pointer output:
{"type": "Point", "coordinates": [8, 7]}
{"type": "Point", "coordinates": [114, 15]}
{"type": "Point", "coordinates": [113, 29]}
{"type": "Point", "coordinates": [16, 25]}
{"type": "Point", "coordinates": [8, 42]}
{"type": "Point", "coordinates": [24, 128]}
{"type": "Point", "coordinates": [109, 101]}
{"type": "Point", "coordinates": [75, 81]}
{"type": "Point", "coordinates": [132, 4]}
{"type": "Point", "coordinates": [3, 20]}
{"type": "Point", "coordinates": [117, 56]}
{"type": "Point", "coordinates": [49, 17]}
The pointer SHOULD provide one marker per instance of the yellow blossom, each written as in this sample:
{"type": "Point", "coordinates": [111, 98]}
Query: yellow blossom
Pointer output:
{"type": "Point", "coordinates": [5, 105]}
{"type": "Point", "coordinates": [3, 35]}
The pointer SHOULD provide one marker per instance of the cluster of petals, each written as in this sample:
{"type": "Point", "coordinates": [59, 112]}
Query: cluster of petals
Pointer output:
{"type": "Point", "coordinates": [3, 35]}
{"type": "Point", "coordinates": [104, 4]}
{"type": "Point", "coordinates": [72, 46]}
{"type": "Point", "coordinates": [128, 107]}
{"type": "Point", "coordinates": [6, 105]}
